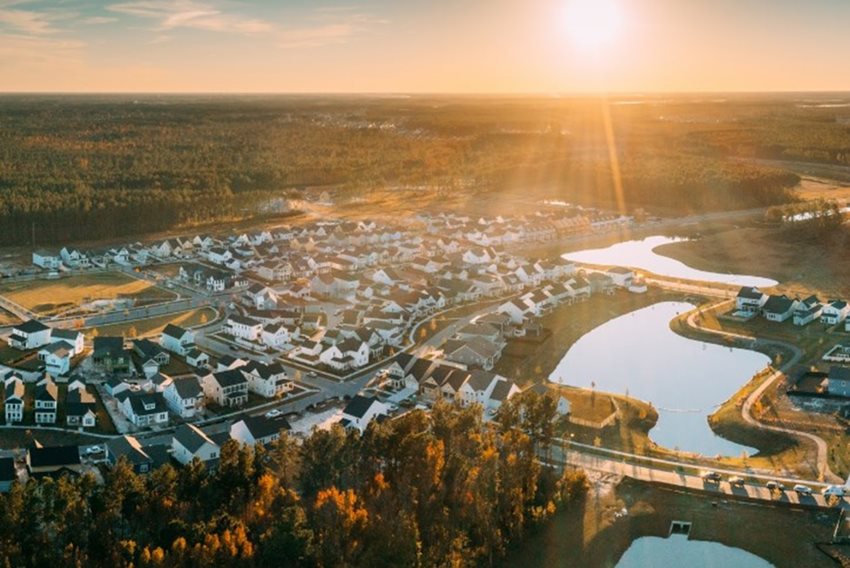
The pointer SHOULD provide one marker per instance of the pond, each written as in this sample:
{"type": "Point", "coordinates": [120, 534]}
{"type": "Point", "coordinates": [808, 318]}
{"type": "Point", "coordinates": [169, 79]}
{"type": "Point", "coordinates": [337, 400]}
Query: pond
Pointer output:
{"type": "Point", "coordinates": [678, 550]}
{"type": "Point", "coordinates": [641, 255]}
{"type": "Point", "coordinates": [684, 379]}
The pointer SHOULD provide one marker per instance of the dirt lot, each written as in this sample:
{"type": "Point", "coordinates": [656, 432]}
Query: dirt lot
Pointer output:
{"type": "Point", "coordinates": [50, 297]}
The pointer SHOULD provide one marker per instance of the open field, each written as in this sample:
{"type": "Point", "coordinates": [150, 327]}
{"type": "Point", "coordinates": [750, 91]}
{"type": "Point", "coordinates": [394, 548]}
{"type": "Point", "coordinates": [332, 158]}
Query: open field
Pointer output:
{"type": "Point", "coordinates": [152, 326]}
{"type": "Point", "coordinates": [589, 533]}
{"type": "Point", "coordinates": [50, 297]}
{"type": "Point", "coordinates": [801, 265]}
{"type": "Point", "coordinates": [7, 318]}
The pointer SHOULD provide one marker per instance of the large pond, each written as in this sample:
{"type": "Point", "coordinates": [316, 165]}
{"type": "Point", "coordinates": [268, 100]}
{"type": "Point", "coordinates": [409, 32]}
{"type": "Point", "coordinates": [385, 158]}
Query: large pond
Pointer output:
{"type": "Point", "coordinates": [677, 550]}
{"type": "Point", "coordinates": [642, 255]}
{"type": "Point", "coordinates": [684, 379]}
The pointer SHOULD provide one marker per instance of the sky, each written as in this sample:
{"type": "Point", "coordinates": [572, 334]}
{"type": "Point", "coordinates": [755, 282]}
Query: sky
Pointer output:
{"type": "Point", "coordinates": [424, 46]}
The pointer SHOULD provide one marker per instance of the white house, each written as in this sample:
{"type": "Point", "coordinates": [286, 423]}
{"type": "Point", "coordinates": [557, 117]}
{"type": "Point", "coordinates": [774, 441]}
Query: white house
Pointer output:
{"type": "Point", "coordinates": [361, 410]}
{"type": "Point", "coordinates": [834, 312]}
{"type": "Point", "coordinates": [74, 339]}
{"type": "Point", "coordinates": [46, 259]}
{"type": "Point", "coordinates": [750, 299]}
{"type": "Point", "coordinates": [227, 388]}
{"type": "Point", "coordinates": [253, 430]}
{"type": "Point", "coordinates": [14, 391]}
{"type": "Point", "coordinates": [184, 397]}
{"type": "Point", "coordinates": [243, 327]}
{"type": "Point", "coordinates": [349, 354]}
{"type": "Point", "coordinates": [189, 442]}
{"type": "Point", "coordinates": [778, 308]}
{"type": "Point", "coordinates": [31, 334]}
{"type": "Point", "coordinates": [621, 276]}
{"type": "Point", "coordinates": [278, 336]}
{"type": "Point", "coordinates": [56, 358]}
{"type": "Point", "coordinates": [177, 340]}
{"type": "Point", "coordinates": [145, 409]}
{"type": "Point", "coordinates": [267, 381]}
{"type": "Point", "coordinates": [46, 401]}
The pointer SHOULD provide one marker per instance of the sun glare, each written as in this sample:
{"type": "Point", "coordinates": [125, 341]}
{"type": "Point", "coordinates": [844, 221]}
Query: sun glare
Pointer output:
{"type": "Point", "coordinates": [593, 24]}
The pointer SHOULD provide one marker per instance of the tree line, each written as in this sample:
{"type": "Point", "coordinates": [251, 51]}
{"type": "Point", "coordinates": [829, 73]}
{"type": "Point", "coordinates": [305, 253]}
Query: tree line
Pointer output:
{"type": "Point", "coordinates": [434, 489]}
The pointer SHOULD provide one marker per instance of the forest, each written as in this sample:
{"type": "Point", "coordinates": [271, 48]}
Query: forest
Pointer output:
{"type": "Point", "coordinates": [436, 489]}
{"type": "Point", "coordinates": [92, 167]}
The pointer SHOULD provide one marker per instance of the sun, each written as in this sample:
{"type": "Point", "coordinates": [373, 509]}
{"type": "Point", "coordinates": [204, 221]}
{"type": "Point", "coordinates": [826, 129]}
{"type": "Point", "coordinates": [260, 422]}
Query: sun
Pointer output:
{"type": "Point", "coordinates": [593, 24]}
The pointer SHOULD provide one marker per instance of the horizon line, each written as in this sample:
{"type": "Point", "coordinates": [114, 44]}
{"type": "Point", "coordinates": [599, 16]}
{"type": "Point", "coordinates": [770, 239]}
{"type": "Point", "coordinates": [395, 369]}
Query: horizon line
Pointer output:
{"type": "Point", "coordinates": [432, 93]}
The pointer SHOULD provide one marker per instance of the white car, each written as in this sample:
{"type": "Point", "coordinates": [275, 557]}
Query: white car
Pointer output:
{"type": "Point", "coordinates": [802, 489]}
{"type": "Point", "coordinates": [836, 490]}
{"type": "Point", "coordinates": [274, 413]}
{"type": "Point", "coordinates": [711, 476]}
{"type": "Point", "coordinates": [736, 481]}
{"type": "Point", "coordinates": [93, 450]}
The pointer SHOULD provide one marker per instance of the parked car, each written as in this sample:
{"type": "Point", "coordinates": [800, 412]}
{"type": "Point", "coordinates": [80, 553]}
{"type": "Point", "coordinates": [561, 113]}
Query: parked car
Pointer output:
{"type": "Point", "coordinates": [711, 476]}
{"type": "Point", "coordinates": [802, 489]}
{"type": "Point", "coordinates": [93, 450]}
{"type": "Point", "coordinates": [836, 490]}
{"type": "Point", "coordinates": [273, 413]}
{"type": "Point", "coordinates": [774, 486]}
{"type": "Point", "coordinates": [736, 481]}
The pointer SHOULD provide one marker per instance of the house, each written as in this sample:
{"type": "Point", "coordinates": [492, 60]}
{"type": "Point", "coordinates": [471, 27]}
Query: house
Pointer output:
{"type": "Point", "coordinates": [190, 442]}
{"type": "Point", "coordinates": [349, 354]}
{"type": "Point", "coordinates": [778, 308]}
{"type": "Point", "coordinates": [46, 400]}
{"type": "Point", "coordinates": [253, 430]}
{"type": "Point", "coordinates": [197, 358]}
{"type": "Point", "coordinates": [227, 388]}
{"type": "Point", "coordinates": [834, 312]}
{"type": "Point", "coordinates": [8, 474]}
{"type": "Point", "coordinates": [177, 340]}
{"type": "Point", "coordinates": [151, 356]}
{"type": "Point", "coordinates": [750, 299]}
{"type": "Point", "coordinates": [46, 259]}
{"type": "Point", "coordinates": [838, 381]}
{"type": "Point", "coordinates": [115, 386]}
{"type": "Point", "coordinates": [277, 336]}
{"type": "Point", "coordinates": [110, 355]}
{"type": "Point", "coordinates": [473, 352]}
{"type": "Point", "coordinates": [80, 408]}
{"type": "Point", "coordinates": [129, 448]}
{"type": "Point", "coordinates": [621, 276]}
{"type": "Point", "coordinates": [145, 409]}
{"type": "Point", "coordinates": [502, 389]}
{"type": "Point", "coordinates": [53, 461]}
{"type": "Point", "coordinates": [515, 310]}
{"type": "Point", "coordinates": [75, 340]}
{"type": "Point", "coordinates": [184, 397]}
{"type": "Point", "coordinates": [477, 388]}
{"type": "Point", "coordinates": [56, 358]}
{"type": "Point", "coordinates": [31, 334]}
{"type": "Point", "coordinates": [14, 391]}
{"type": "Point", "coordinates": [806, 311]}
{"type": "Point", "coordinates": [261, 297]}
{"type": "Point", "coordinates": [243, 327]}
{"type": "Point", "coordinates": [265, 380]}
{"type": "Point", "coordinates": [361, 410]}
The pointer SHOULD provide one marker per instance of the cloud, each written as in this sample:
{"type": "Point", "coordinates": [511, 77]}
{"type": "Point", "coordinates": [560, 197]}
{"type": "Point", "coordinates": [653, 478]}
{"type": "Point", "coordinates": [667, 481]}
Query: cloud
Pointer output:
{"type": "Point", "coordinates": [330, 33]}
{"type": "Point", "coordinates": [98, 20]}
{"type": "Point", "coordinates": [27, 21]}
{"type": "Point", "coordinates": [20, 49]}
{"type": "Point", "coordinates": [190, 14]}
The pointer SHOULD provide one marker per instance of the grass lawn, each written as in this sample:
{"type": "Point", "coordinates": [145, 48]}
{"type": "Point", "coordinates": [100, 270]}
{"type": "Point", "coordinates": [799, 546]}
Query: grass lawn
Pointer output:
{"type": "Point", "coordinates": [152, 326]}
{"type": "Point", "coordinates": [801, 265]}
{"type": "Point", "coordinates": [49, 297]}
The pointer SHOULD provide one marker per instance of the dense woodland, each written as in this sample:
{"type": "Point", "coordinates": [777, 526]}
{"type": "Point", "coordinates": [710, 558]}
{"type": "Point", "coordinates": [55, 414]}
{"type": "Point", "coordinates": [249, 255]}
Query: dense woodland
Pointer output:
{"type": "Point", "coordinates": [437, 489]}
{"type": "Point", "coordinates": [80, 167]}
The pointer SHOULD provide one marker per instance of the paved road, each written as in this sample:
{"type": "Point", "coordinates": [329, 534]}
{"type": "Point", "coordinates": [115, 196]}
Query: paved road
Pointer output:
{"type": "Point", "coordinates": [691, 482]}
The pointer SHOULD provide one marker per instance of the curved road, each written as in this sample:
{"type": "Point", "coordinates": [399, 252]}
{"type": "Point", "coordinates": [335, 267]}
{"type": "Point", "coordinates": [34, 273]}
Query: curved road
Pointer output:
{"type": "Point", "coordinates": [746, 408]}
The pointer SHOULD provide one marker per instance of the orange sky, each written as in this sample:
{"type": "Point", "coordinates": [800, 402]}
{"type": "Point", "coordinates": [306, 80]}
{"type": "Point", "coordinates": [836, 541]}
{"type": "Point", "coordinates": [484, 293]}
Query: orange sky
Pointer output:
{"type": "Point", "coordinates": [482, 46]}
